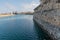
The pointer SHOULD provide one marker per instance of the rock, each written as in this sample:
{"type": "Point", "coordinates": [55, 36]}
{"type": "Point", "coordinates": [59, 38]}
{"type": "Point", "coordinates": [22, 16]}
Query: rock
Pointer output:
{"type": "Point", "coordinates": [47, 14]}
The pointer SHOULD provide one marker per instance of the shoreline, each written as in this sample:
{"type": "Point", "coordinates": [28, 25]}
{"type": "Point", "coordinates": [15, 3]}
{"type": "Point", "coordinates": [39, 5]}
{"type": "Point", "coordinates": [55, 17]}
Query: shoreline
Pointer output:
{"type": "Point", "coordinates": [44, 30]}
{"type": "Point", "coordinates": [52, 30]}
{"type": "Point", "coordinates": [5, 15]}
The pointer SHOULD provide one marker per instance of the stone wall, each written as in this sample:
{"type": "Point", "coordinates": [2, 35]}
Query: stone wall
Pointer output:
{"type": "Point", "coordinates": [50, 23]}
{"type": "Point", "coordinates": [49, 12]}
{"type": "Point", "coordinates": [48, 15]}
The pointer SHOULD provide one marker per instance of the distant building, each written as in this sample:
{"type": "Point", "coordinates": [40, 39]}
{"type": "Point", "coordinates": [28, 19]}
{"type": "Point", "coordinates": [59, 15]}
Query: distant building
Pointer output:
{"type": "Point", "coordinates": [15, 13]}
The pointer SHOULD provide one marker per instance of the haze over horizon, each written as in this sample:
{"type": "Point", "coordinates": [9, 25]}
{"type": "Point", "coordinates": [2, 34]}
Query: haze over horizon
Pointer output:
{"type": "Point", "coordinates": [18, 5]}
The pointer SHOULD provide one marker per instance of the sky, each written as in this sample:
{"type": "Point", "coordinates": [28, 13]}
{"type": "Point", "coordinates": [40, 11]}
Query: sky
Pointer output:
{"type": "Point", "coordinates": [17, 5]}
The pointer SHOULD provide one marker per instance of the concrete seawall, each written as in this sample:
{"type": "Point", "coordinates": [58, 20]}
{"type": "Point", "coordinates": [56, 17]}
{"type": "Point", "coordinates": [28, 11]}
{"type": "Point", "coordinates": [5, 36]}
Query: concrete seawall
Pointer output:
{"type": "Point", "coordinates": [52, 30]}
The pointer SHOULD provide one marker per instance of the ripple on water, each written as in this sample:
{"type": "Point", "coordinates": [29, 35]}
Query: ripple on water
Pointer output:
{"type": "Point", "coordinates": [20, 27]}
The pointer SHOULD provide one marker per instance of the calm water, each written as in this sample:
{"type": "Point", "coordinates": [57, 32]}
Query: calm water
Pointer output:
{"type": "Point", "coordinates": [20, 27]}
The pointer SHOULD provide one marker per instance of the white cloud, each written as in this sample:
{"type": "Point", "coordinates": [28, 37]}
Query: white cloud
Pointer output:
{"type": "Point", "coordinates": [10, 7]}
{"type": "Point", "coordinates": [29, 6]}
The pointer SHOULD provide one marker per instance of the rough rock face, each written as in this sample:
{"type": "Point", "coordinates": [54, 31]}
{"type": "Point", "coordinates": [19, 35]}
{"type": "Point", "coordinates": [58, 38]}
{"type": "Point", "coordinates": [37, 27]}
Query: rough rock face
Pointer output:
{"type": "Point", "coordinates": [49, 11]}
{"type": "Point", "coordinates": [48, 15]}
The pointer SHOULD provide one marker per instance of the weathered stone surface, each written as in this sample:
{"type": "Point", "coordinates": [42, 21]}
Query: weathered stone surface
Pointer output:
{"type": "Point", "coordinates": [48, 15]}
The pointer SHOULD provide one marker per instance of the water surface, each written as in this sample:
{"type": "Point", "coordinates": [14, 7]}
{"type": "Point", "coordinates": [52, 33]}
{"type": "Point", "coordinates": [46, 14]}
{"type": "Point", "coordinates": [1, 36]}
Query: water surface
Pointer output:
{"type": "Point", "coordinates": [20, 27]}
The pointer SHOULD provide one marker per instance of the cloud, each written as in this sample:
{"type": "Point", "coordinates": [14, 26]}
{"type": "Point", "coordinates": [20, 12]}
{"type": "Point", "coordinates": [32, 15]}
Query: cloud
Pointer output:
{"type": "Point", "coordinates": [29, 6]}
{"type": "Point", "coordinates": [10, 7]}
{"type": "Point", "coordinates": [26, 6]}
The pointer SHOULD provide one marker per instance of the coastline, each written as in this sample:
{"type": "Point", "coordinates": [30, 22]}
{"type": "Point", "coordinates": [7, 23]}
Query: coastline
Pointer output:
{"type": "Point", "coordinates": [49, 17]}
{"type": "Point", "coordinates": [52, 30]}
{"type": "Point", "coordinates": [5, 15]}
{"type": "Point", "coordinates": [44, 30]}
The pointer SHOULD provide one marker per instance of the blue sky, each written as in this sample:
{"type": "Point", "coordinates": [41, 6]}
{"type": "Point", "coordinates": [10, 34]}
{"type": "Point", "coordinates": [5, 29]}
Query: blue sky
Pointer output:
{"type": "Point", "coordinates": [17, 5]}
